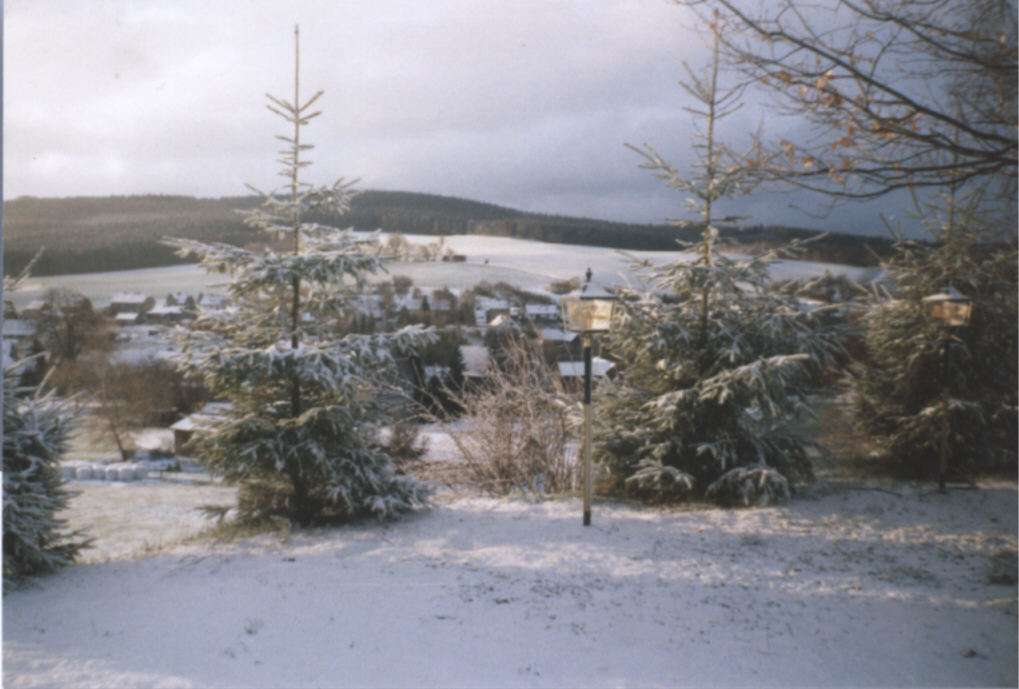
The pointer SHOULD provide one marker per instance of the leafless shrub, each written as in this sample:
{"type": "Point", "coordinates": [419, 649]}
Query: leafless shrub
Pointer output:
{"type": "Point", "coordinates": [404, 445]}
{"type": "Point", "coordinates": [516, 426]}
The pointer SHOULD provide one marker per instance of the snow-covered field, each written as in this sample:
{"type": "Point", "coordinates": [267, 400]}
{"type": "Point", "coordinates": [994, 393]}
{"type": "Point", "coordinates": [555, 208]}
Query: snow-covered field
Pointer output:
{"type": "Point", "coordinates": [524, 263]}
{"type": "Point", "coordinates": [842, 587]}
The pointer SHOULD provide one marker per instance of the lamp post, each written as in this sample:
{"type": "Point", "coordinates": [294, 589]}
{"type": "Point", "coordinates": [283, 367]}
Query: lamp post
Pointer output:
{"type": "Point", "coordinates": [953, 310]}
{"type": "Point", "coordinates": [588, 312]}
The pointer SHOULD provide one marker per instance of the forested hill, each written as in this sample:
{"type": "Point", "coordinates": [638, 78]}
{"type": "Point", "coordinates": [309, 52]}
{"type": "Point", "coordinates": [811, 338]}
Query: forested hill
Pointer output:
{"type": "Point", "coordinates": [97, 234]}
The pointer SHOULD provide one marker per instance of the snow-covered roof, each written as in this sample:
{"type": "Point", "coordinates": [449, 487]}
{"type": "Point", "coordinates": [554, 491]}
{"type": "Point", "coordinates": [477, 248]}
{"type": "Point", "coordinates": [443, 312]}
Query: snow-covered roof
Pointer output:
{"type": "Point", "coordinates": [407, 301]}
{"type": "Point", "coordinates": [489, 303]}
{"type": "Point", "coordinates": [127, 317]}
{"type": "Point", "coordinates": [201, 420]}
{"type": "Point", "coordinates": [501, 320]}
{"type": "Point", "coordinates": [16, 327]}
{"type": "Point", "coordinates": [163, 310]}
{"type": "Point", "coordinates": [557, 335]}
{"type": "Point", "coordinates": [216, 408]}
{"type": "Point", "coordinates": [189, 423]}
{"type": "Point", "coordinates": [575, 369]}
{"type": "Point", "coordinates": [369, 304]}
{"type": "Point", "coordinates": [541, 310]}
{"type": "Point", "coordinates": [128, 298]}
{"type": "Point", "coordinates": [211, 301]}
{"type": "Point", "coordinates": [439, 372]}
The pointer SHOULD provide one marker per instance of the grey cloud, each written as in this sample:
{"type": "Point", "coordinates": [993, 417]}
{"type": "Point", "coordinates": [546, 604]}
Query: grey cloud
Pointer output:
{"type": "Point", "coordinates": [525, 104]}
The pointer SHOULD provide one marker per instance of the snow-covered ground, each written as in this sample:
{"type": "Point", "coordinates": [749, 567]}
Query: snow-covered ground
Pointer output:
{"type": "Point", "coordinates": [842, 587]}
{"type": "Point", "coordinates": [524, 263]}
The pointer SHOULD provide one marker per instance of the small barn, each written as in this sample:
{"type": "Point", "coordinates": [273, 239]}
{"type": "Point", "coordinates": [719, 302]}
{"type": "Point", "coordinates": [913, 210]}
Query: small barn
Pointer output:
{"type": "Point", "coordinates": [130, 302]}
{"type": "Point", "coordinates": [198, 422]}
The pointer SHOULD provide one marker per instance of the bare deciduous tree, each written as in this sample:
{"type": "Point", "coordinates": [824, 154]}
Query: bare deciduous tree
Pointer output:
{"type": "Point", "coordinates": [69, 326]}
{"type": "Point", "coordinates": [897, 93]}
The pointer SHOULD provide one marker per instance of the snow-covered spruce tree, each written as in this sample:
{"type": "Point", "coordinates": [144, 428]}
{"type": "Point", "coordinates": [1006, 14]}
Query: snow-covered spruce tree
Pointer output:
{"type": "Point", "coordinates": [898, 387]}
{"type": "Point", "coordinates": [300, 436]}
{"type": "Point", "coordinates": [713, 360]}
{"type": "Point", "coordinates": [36, 427]}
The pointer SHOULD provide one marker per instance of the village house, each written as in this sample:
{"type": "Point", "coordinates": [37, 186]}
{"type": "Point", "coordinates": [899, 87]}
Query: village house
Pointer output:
{"type": "Point", "coordinates": [211, 302]}
{"type": "Point", "coordinates": [19, 338]}
{"type": "Point", "coordinates": [130, 302]}
{"type": "Point", "coordinates": [34, 310]}
{"type": "Point", "coordinates": [486, 309]}
{"type": "Point", "coordinates": [124, 318]}
{"type": "Point", "coordinates": [198, 422]}
{"type": "Point", "coordinates": [543, 313]}
{"type": "Point", "coordinates": [165, 314]}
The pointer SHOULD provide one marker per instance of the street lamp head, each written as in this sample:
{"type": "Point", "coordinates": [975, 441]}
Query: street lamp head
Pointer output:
{"type": "Point", "coordinates": [588, 310]}
{"type": "Point", "coordinates": [949, 306]}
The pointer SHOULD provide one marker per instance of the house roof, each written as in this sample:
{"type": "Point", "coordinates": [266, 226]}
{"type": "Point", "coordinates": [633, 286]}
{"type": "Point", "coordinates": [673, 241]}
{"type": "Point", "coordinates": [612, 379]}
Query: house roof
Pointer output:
{"type": "Point", "coordinates": [502, 320]}
{"type": "Point", "coordinates": [438, 372]}
{"type": "Point", "coordinates": [575, 369]}
{"type": "Point", "coordinates": [201, 420]}
{"type": "Point", "coordinates": [16, 327]}
{"type": "Point", "coordinates": [558, 335]}
{"type": "Point", "coordinates": [128, 298]}
{"type": "Point", "coordinates": [163, 310]}
{"type": "Point", "coordinates": [211, 301]}
{"type": "Point", "coordinates": [489, 303]}
{"type": "Point", "coordinates": [547, 310]}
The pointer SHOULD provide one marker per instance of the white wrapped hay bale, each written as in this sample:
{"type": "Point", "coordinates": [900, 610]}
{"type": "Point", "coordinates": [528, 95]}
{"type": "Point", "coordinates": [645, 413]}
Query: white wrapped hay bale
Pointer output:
{"type": "Point", "coordinates": [125, 472]}
{"type": "Point", "coordinates": [83, 473]}
{"type": "Point", "coordinates": [141, 472]}
{"type": "Point", "coordinates": [68, 471]}
{"type": "Point", "coordinates": [99, 472]}
{"type": "Point", "coordinates": [111, 473]}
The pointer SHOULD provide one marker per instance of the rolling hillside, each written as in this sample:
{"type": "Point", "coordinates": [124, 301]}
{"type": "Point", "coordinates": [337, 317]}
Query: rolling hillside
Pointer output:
{"type": "Point", "coordinates": [97, 234]}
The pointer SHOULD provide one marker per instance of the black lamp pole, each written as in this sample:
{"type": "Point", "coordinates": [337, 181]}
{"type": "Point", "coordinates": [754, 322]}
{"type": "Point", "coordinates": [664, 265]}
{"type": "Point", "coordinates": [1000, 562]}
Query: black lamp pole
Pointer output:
{"type": "Point", "coordinates": [946, 424]}
{"type": "Point", "coordinates": [587, 430]}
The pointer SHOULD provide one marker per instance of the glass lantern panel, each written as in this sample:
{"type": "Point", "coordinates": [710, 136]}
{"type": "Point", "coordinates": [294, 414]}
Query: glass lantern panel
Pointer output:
{"type": "Point", "coordinates": [588, 315]}
{"type": "Point", "coordinates": [601, 314]}
{"type": "Point", "coordinates": [952, 313]}
{"type": "Point", "coordinates": [956, 313]}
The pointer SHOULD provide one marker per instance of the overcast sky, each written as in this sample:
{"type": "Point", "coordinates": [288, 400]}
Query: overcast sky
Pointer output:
{"type": "Point", "coordinates": [524, 103]}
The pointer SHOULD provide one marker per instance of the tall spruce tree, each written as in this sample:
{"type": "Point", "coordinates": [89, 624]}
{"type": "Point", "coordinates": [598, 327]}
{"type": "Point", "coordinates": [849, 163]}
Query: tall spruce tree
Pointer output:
{"type": "Point", "coordinates": [300, 434]}
{"type": "Point", "coordinates": [713, 360]}
{"type": "Point", "coordinates": [900, 387]}
{"type": "Point", "coordinates": [36, 428]}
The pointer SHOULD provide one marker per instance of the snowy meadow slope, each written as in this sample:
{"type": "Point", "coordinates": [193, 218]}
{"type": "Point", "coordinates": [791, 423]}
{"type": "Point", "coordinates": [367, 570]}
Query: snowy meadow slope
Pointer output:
{"type": "Point", "coordinates": [842, 587]}
{"type": "Point", "coordinates": [520, 262]}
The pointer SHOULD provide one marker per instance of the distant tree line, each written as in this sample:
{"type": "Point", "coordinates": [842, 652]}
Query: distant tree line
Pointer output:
{"type": "Point", "coordinates": [98, 234]}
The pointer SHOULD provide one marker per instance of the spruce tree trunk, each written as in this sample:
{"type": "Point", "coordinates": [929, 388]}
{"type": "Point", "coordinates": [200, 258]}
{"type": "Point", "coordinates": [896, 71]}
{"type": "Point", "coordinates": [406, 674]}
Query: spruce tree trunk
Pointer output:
{"type": "Point", "coordinates": [301, 508]}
